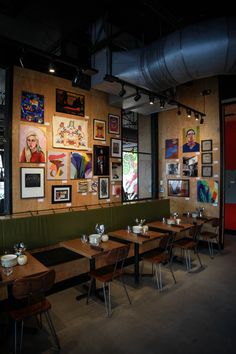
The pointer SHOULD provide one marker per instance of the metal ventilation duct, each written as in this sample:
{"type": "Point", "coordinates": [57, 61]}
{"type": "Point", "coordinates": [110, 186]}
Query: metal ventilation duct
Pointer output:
{"type": "Point", "coordinates": [201, 50]}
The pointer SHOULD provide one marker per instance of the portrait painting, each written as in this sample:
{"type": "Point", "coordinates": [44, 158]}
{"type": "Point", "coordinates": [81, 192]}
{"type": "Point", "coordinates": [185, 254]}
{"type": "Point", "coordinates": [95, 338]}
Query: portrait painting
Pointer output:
{"type": "Point", "coordinates": [191, 139]}
{"type": "Point", "coordinates": [171, 148]}
{"type": "Point", "coordinates": [70, 133]}
{"type": "Point", "coordinates": [70, 103]}
{"type": "Point", "coordinates": [56, 165]}
{"type": "Point", "coordinates": [80, 165]}
{"type": "Point", "coordinates": [99, 129]}
{"type": "Point", "coordinates": [207, 191]}
{"type": "Point", "coordinates": [32, 144]}
{"type": "Point", "coordinates": [101, 160]}
{"type": "Point", "coordinates": [32, 107]}
{"type": "Point", "coordinates": [113, 124]}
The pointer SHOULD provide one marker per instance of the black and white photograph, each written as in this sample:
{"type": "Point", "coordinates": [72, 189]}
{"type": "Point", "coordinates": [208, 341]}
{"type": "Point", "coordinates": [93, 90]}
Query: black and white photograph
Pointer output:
{"type": "Point", "coordinates": [190, 166]}
{"type": "Point", "coordinates": [172, 168]}
{"type": "Point", "coordinates": [32, 182]}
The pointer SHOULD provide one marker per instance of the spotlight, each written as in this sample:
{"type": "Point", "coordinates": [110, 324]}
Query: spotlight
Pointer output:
{"type": "Point", "coordinates": [196, 115]}
{"type": "Point", "coordinates": [189, 113]}
{"type": "Point", "coordinates": [162, 103]}
{"type": "Point", "coordinates": [51, 68]}
{"type": "Point", "coordinates": [122, 91]}
{"type": "Point", "coordinates": [76, 78]}
{"type": "Point", "coordinates": [137, 96]}
{"type": "Point", "coordinates": [179, 111]}
{"type": "Point", "coordinates": [21, 60]}
{"type": "Point", "coordinates": [201, 120]}
{"type": "Point", "coordinates": [151, 99]}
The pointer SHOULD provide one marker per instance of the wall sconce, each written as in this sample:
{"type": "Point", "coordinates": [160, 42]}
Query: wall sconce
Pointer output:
{"type": "Point", "coordinates": [122, 91]}
{"type": "Point", "coordinates": [137, 96]}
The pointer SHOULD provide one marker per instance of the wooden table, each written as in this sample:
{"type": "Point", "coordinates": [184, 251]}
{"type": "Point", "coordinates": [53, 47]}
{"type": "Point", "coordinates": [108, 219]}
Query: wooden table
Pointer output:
{"type": "Point", "coordinates": [137, 240]}
{"type": "Point", "coordinates": [159, 225]}
{"type": "Point", "coordinates": [198, 221]}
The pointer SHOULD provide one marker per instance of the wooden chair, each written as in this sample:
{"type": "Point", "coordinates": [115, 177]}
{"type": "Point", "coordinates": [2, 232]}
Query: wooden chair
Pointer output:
{"type": "Point", "coordinates": [212, 237]}
{"type": "Point", "coordinates": [113, 269]}
{"type": "Point", "coordinates": [160, 256]}
{"type": "Point", "coordinates": [186, 245]}
{"type": "Point", "coordinates": [29, 293]}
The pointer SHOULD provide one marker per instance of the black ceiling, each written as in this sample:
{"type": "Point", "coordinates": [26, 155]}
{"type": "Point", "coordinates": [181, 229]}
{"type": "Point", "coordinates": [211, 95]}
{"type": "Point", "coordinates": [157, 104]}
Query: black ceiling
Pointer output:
{"type": "Point", "coordinates": [40, 31]}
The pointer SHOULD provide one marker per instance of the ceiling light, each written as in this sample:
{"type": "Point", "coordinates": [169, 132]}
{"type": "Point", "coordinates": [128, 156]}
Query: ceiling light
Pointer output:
{"type": "Point", "coordinates": [122, 91]}
{"type": "Point", "coordinates": [162, 103]}
{"type": "Point", "coordinates": [151, 99]}
{"type": "Point", "coordinates": [196, 116]}
{"type": "Point", "coordinates": [189, 113]}
{"type": "Point", "coordinates": [137, 96]}
{"type": "Point", "coordinates": [201, 120]}
{"type": "Point", "coordinates": [51, 68]}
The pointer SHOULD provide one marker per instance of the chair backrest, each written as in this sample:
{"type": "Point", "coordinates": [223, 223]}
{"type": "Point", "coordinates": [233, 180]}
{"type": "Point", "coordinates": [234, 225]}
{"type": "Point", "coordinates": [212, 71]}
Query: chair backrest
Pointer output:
{"type": "Point", "coordinates": [216, 225]}
{"type": "Point", "coordinates": [166, 243]}
{"type": "Point", "coordinates": [195, 232]}
{"type": "Point", "coordinates": [33, 288]}
{"type": "Point", "coordinates": [117, 258]}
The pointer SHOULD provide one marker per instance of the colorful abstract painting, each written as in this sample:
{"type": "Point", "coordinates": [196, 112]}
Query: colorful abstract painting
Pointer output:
{"type": "Point", "coordinates": [32, 107]}
{"type": "Point", "coordinates": [207, 191]}
{"type": "Point", "coordinates": [171, 148]}
{"type": "Point", "coordinates": [93, 186]}
{"type": "Point", "coordinates": [80, 165]}
{"type": "Point", "coordinates": [82, 187]}
{"type": "Point", "coordinates": [57, 165]}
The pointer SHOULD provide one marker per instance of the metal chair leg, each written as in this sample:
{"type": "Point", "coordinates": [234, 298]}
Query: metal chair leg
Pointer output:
{"type": "Point", "coordinates": [124, 286]}
{"type": "Point", "coordinates": [106, 298]}
{"type": "Point", "coordinates": [52, 329]}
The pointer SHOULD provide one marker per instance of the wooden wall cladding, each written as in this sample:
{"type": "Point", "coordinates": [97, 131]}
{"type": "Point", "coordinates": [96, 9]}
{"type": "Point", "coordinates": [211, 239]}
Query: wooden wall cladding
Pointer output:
{"type": "Point", "coordinates": [96, 107]}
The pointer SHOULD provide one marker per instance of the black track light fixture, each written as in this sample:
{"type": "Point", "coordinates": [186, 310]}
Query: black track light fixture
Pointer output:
{"type": "Point", "coordinates": [122, 91]}
{"type": "Point", "coordinates": [162, 103]}
{"type": "Point", "coordinates": [151, 99]}
{"type": "Point", "coordinates": [201, 120]}
{"type": "Point", "coordinates": [137, 96]}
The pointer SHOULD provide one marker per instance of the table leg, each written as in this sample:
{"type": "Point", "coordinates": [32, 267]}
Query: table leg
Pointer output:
{"type": "Point", "coordinates": [136, 263]}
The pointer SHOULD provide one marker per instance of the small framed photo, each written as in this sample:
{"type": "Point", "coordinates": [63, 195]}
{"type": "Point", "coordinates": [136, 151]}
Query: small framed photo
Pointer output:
{"type": "Point", "coordinates": [116, 148]}
{"type": "Point", "coordinates": [99, 129]}
{"type": "Point", "coordinates": [32, 182]}
{"type": "Point", "coordinates": [178, 187]}
{"type": "Point", "coordinates": [103, 185]}
{"type": "Point", "coordinates": [101, 160]}
{"type": "Point", "coordinates": [207, 158]}
{"type": "Point", "coordinates": [206, 145]}
{"type": "Point", "coordinates": [61, 194]}
{"type": "Point", "coordinates": [206, 171]}
{"type": "Point", "coordinates": [113, 124]}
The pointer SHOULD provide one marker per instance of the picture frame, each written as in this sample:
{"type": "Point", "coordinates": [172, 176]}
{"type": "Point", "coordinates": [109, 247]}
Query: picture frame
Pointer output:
{"type": "Point", "coordinates": [115, 147]}
{"type": "Point", "coordinates": [207, 158]}
{"type": "Point", "coordinates": [99, 129]}
{"type": "Point", "coordinates": [61, 194]}
{"type": "Point", "coordinates": [57, 165]}
{"type": "Point", "coordinates": [178, 187]}
{"type": "Point", "coordinates": [32, 137]}
{"type": "Point", "coordinates": [32, 182]}
{"type": "Point", "coordinates": [207, 171]}
{"type": "Point", "coordinates": [32, 107]}
{"type": "Point", "coordinates": [206, 145]}
{"type": "Point", "coordinates": [113, 124]}
{"type": "Point", "coordinates": [103, 188]}
{"type": "Point", "coordinates": [101, 160]}
{"type": "Point", "coordinates": [70, 102]}
{"type": "Point", "coordinates": [171, 148]}
{"type": "Point", "coordinates": [116, 171]}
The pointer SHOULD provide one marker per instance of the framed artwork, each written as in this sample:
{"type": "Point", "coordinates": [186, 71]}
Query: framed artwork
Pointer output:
{"type": "Point", "coordinates": [115, 148]}
{"type": "Point", "coordinates": [113, 124]}
{"type": "Point", "coordinates": [61, 194]}
{"type": "Point", "coordinates": [70, 133]}
{"type": "Point", "coordinates": [32, 144]}
{"type": "Point", "coordinates": [172, 168]}
{"type": "Point", "coordinates": [206, 145]}
{"type": "Point", "coordinates": [80, 165]}
{"type": "Point", "coordinates": [70, 103]}
{"type": "Point", "coordinates": [207, 191]}
{"type": "Point", "coordinates": [207, 158]}
{"type": "Point", "coordinates": [171, 148]}
{"type": "Point", "coordinates": [116, 190]}
{"type": "Point", "coordinates": [206, 171]}
{"type": "Point", "coordinates": [103, 186]}
{"type": "Point", "coordinates": [178, 187]}
{"type": "Point", "coordinates": [93, 186]}
{"type": "Point", "coordinates": [32, 107]}
{"type": "Point", "coordinates": [191, 138]}
{"type": "Point", "coordinates": [99, 129]}
{"type": "Point", "coordinates": [32, 182]}
{"type": "Point", "coordinates": [82, 187]}
{"type": "Point", "coordinates": [190, 166]}
{"type": "Point", "coordinates": [100, 160]}
{"type": "Point", "coordinates": [116, 171]}
{"type": "Point", "coordinates": [56, 165]}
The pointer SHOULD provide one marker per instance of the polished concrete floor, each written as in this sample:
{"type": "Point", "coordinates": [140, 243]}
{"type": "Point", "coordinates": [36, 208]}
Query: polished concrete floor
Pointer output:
{"type": "Point", "coordinates": [196, 315]}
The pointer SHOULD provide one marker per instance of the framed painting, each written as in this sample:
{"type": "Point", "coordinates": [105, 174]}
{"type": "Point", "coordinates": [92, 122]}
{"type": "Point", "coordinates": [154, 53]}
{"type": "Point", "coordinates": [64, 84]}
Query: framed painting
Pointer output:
{"type": "Point", "coordinates": [80, 165]}
{"type": "Point", "coordinates": [207, 191]}
{"type": "Point", "coordinates": [32, 107]}
{"type": "Point", "coordinates": [61, 194]}
{"type": "Point", "coordinates": [103, 187]}
{"type": "Point", "coordinates": [70, 133]}
{"type": "Point", "coordinates": [82, 187]}
{"type": "Point", "coordinates": [93, 186]}
{"type": "Point", "coordinates": [100, 160]}
{"type": "Point", "coordinates": [178, 187]}
{"type": "Point", "coordinates": [32, 182]}
{"type": "Point", "coordinates": [191, 137]}
{"type": "Point", "coordinates": [56, 165]}
{"type": "Point", "coordinates": [116, 171]}
{"type": "Point", "coordinates": [116, 148]}
{"type": "Point", "coordinates": [207, 158]}
{"type": "Point", "coordinates": [171, 148]}
{"type": "Point", "coordinates": [116, 190]}
{"type": "Point", "coordinates": [99, 129]}
{"type": "Point", "coordinates": [113, 124]}
{"type": "Point", "coordinates": [206, 145]}
{"type": "Point", "coordinates": [32, 144]}
{"type": "Point", "coordinates": [206, 171]}
{"type": "Point", "coordinates": [70, 103]}
{"type": "Point", "coordinates": [172, 168]}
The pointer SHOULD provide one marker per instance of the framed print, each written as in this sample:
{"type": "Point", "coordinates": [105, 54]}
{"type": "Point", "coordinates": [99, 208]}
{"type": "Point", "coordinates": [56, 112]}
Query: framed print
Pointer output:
{"type": "Point", "coordinates": [61, 194]}
{"type": "Point", "coordinates": [100, 160]}
{"type": "Point", "coordinates": [206, 171]}
{"type": "Point", "coordinates": [32, 144]}
{"type": "Point", "coordinates": [99, 129]}
{"type": "Point", "coordinates": [172, 168]}
{"type": "Point", "coordinates": [82, 187]}
{"type": "Point", "coordinates": [206, 145]}
{"type": "Point", "coordinates": [56, 165]}
{"type": "Point", "coordinates": [113, 124]}
{"type": "Point", "coordinates": [116, 190]}
{"type": "Point", "coordinates": [80, 165]}
{"type": "Point", "coordinates": [32, 107]}
{"type": "Point", "coordinates": [171, 148]}
{"type": "Point", "coordinates": [190, 166]}
{"type": "Point", "coordinates": [32, 182]}
{"type": "Point", "coordinates": [178, 187]}
{"type": "Point", "coordinates": [70, 103]}
{"type": "Point", "coordinates": [70, 133]}
{"type": "Point", "coordinates": [103, 187]}
{"type": "Point", "coordinates": [191, 138]}
{"type": "Point", "coordinates": [207, 157]}
{"type": "Point", "coordinates": [93, 186]}
{"type": "Point", "coordinates": [207, 191]}
{"type": "Point", "coordinates": [116, 171]}
{"type": "Point", "coordinates": [116, 148]}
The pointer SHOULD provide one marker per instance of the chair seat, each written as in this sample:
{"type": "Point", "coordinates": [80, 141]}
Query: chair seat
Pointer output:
{"type": "Point", "coordinates": [30, 310]}
{"type": "Point", "coordinates": [186, 244]}
{"type": "Point", "coordinates": [208, 234]}
{"type": "Point", "coordinates": [105, 274]}
{"type": "Point", "coordinates": [156, 257]}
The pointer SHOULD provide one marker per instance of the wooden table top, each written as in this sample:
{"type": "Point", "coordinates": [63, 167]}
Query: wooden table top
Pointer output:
{"type": "Point", "coordinates": [132, 237]}
{"type": "Point", "coordinates": [32, 267]}
{"type": "Point", "coordinates": [83, 248]}
{"type": "Point", "coordinates": [198, 221]}
{"type": "Point", "coordinates": [170, 228]}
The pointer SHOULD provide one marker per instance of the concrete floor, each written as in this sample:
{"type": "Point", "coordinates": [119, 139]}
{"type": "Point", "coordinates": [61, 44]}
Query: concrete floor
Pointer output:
{"type": "Point", "coordinates": [196, 315]}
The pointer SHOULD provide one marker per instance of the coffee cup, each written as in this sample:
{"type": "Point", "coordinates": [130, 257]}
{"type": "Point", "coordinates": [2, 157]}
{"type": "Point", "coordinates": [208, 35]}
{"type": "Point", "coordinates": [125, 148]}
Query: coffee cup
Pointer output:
{"type": "Point", "coordinates": [178, 221]}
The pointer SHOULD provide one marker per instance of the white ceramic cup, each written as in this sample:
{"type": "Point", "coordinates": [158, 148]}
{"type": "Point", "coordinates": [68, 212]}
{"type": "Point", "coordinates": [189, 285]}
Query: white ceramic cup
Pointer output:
{"type": "Point", "coordinates": [178, 221]}
{"type": "Point", "coordinates": [22, 259]}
